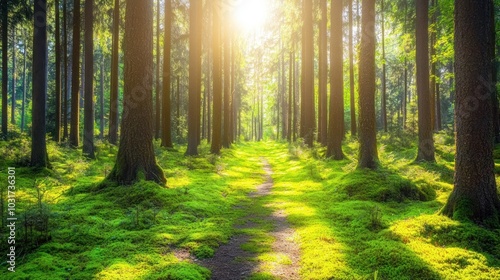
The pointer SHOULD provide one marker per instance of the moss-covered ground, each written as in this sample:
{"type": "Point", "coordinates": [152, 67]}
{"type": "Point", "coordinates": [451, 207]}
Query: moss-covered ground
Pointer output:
{"type": "Point", "coordinates": [350, 224]}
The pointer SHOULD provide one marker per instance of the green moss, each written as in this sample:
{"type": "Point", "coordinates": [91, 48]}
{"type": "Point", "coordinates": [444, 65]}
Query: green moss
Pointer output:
{"type": "Point", "coordinates": [382, 186]}
{"type": "Point", "coordinates": [181, 271]}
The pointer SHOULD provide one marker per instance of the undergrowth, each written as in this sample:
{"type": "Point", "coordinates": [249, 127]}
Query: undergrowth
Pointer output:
{"type": "Point", "coordinates": [349, 223]}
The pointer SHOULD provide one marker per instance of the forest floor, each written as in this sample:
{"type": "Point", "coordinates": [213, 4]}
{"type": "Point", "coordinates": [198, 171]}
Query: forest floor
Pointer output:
{"type": "Point", "coordinates": [230, 261]}
{"type": "Point", "coordinates": [265, 210]}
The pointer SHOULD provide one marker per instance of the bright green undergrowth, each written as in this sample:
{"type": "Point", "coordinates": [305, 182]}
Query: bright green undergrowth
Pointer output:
{"type": "Point", "coordinates": [128, 232]}
{"type": "Point", "coordinates": [355, 224]}
{"type": "Point", "coordinates": [350, 224]}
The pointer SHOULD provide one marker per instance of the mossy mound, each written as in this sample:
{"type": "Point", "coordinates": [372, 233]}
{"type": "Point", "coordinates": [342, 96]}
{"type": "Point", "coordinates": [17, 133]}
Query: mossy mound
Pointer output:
{"type": "Point", "coordinates": [383, 186]}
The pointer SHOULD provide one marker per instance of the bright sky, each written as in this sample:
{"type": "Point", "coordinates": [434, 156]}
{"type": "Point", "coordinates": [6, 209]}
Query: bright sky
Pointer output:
{"type": "Point", "coordinates": [251, 15]}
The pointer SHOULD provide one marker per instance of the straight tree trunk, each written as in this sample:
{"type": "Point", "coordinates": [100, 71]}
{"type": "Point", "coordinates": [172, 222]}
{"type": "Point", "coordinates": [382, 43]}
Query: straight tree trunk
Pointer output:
{"type": "Point", "coordinates": [65, 72]}
{"type": "Point", "coordinates": [166, 139]}
{"type": "Point", "coordinates": [178, 105]}
{"type": "Point", "coordinates": [425, 139]}
{"type": "Point", "coordinates": [226, 142]}
{"type": "Point", "coordinates": [405, 65]}
{"type": "Point", "coordinates": [384, 83]}
{"type": "Point", "coordinates": [494, 80]}
{"type": "Point", "coordinates": [101, 101]}
{"type": "Point", "coordinates": [368, 155]}
{"type": "Point", "coordinates": [336, 129]}
{"type": "Point", "coordinates": [57, 134]}
{"type": "Point", "coordinates": [14, 79]}
{"type": "Point", "coordinates": [5, 79]}
{"type": "Point", "coordinates": [136, 157]}
{"type": "Point", "coordinates": [113, 100]}
{"type": "Point", "coordinates": [283, 105]}
{"type": "Point", "coordinates": [89, 108]}
{"type": "Point", "coordinates": [23, 105]}
{"type": "Point", "coordinates": [432, 86]}
{"type": "Point", "coordinates": [158, 103]}
{"type": "Point", "coordinates": [354, 128]}
{"type": "Point", "coordinates": [74, 136]}
{"type": "Point", "coordinates": [474, 196]}
{"type": "Point", "coordinates": [195, 44]}
{"type": "Point", "coordinates": [290, 97]}
{"type": "Point", "coordinates": [39, 158]}
{"type": "Point", "coordinates": [217, 80]}
{"type": "Point", "coordinates": [307, 123]}
{"type": "Point", "coordinates": [295, 96]}
{"type": "Point", "coordinates": [323, 75]}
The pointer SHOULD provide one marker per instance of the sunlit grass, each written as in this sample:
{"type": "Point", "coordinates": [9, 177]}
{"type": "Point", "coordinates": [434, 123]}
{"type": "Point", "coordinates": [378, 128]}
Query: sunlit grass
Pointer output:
{"type": "Point", "coordinates": [344, 228]}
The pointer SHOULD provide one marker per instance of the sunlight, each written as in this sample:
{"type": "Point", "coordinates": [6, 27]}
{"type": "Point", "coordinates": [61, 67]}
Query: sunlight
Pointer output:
{"type": "Point", "coordinates": [251, 15]}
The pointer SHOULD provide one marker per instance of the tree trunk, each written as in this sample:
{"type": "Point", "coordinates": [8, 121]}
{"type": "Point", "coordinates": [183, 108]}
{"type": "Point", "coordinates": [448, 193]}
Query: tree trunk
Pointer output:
{"type": "Point", "coordinates": [494, 79]}
{"type": "Point", "coordinates": [39, 158]}
{"type": "Point", "coordinates": [65, 73]}
{"type": "Point", "coordinates": [368, 155]}
{"type": "Point", "coordinates": [227, 87]}
{"type": "Point", "coordinates": [23, 105]}
{"type": "Point", "coordinates": [101, 101]}
{"type": "Point", "coordinates": [354, 128]}
{"type": "Point", "coordinates": [158, 80]}
{"type": "Point", "coordinates": [166, 139]}
{"type": "Point", "coordinates": [425, 139]}
{"type": "Point", "coordinates": [5, 79]}
{"type": "Point", "coordinates": [74, 137]}
{"type": "Point", "coordinates": [384, 83]}
{"type": "Point", "coordinates": [323, 75]}
{"type": "Point", "coordinates": [136, 157]}
{"type": "Point", "coordinates": [307, 123]}
{"type": "Point", "coordinates": [113, 99]}
{"type": "Point", "coordinates": [14, 79]}
{"type": "Point", "coordinates": [432, 87]}
{"type": "Point", "coordinates": [195, 44]}
{"type": "Point", "coordinates": [290, 98]}
{"type": "Point", "coordinates": [89, 110]}
{"type": "Point", "coordinates": [474, 196]}
{"type": "Point", "coordinates": [217, 80]}
{"type": "Point", "coordinates": [178, 105]}
{"type": "Point", "coordinates": [57, 134]}
{"type": "Point", "coordinates": [335, 132]}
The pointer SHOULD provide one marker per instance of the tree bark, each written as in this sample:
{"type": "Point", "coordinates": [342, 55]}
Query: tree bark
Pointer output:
{"type": "Point", "coordinates": [425, 138]}
{"type": "Point", "coordinates": [136, 157]}
{"type": "Point", "coordinates": [195, 36]}
{"type": "Point", "coordinates": [368, 155]}
{"type": "Point", "coordinates": [14, 79]}
{"type": "Point", "coordinates": [354, 128]}
{"type": "Point", "coordinates": [336, 129]}
{"type": "Point", "coordinates": [384, 82]}
{"type": "Point", "coordinates": [57, 134]}
{"type": "Point", "coordinates": [65, 72]}
{"type": "Point", "coordinates": [39, 158]}
{"type": "Point", "coordinates": [217, 80]}
{"type": "Point", "coordinates": [166, 139]}
{"type": "Point", "coordinates": [158, 80]}
{"type": "Point", "coordinates": [5, 79]}
{"type": "Point", "coordinates": [323, 74]}
{"type": "Point", "coordinates": [113, 99]}
{"type": "Point", "coordinates": [226, 143]}
{"type": "Point", "coordinates": [307, 123]}
{"type": "Point", "coordinates": [74, 136]}
{"type": "Point", "coordinates": [474, 196]}
{"type": "Point", "coordinates": [89, 107]}
{"type": "Point", "coordinates": [23, 104]}
{"type": "Point", "coordinates": [101, 101]}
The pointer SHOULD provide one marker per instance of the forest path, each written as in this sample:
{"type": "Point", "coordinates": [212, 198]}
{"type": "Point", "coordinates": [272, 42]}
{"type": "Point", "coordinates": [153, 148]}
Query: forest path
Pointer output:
{"type": "Point", "coordinates": [267, 237]}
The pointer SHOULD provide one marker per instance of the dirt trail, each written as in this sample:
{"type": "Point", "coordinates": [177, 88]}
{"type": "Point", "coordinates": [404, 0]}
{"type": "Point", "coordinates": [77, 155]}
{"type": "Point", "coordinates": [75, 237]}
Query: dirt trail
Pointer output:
{"type": "Point", "coordinates": [231, 262]}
